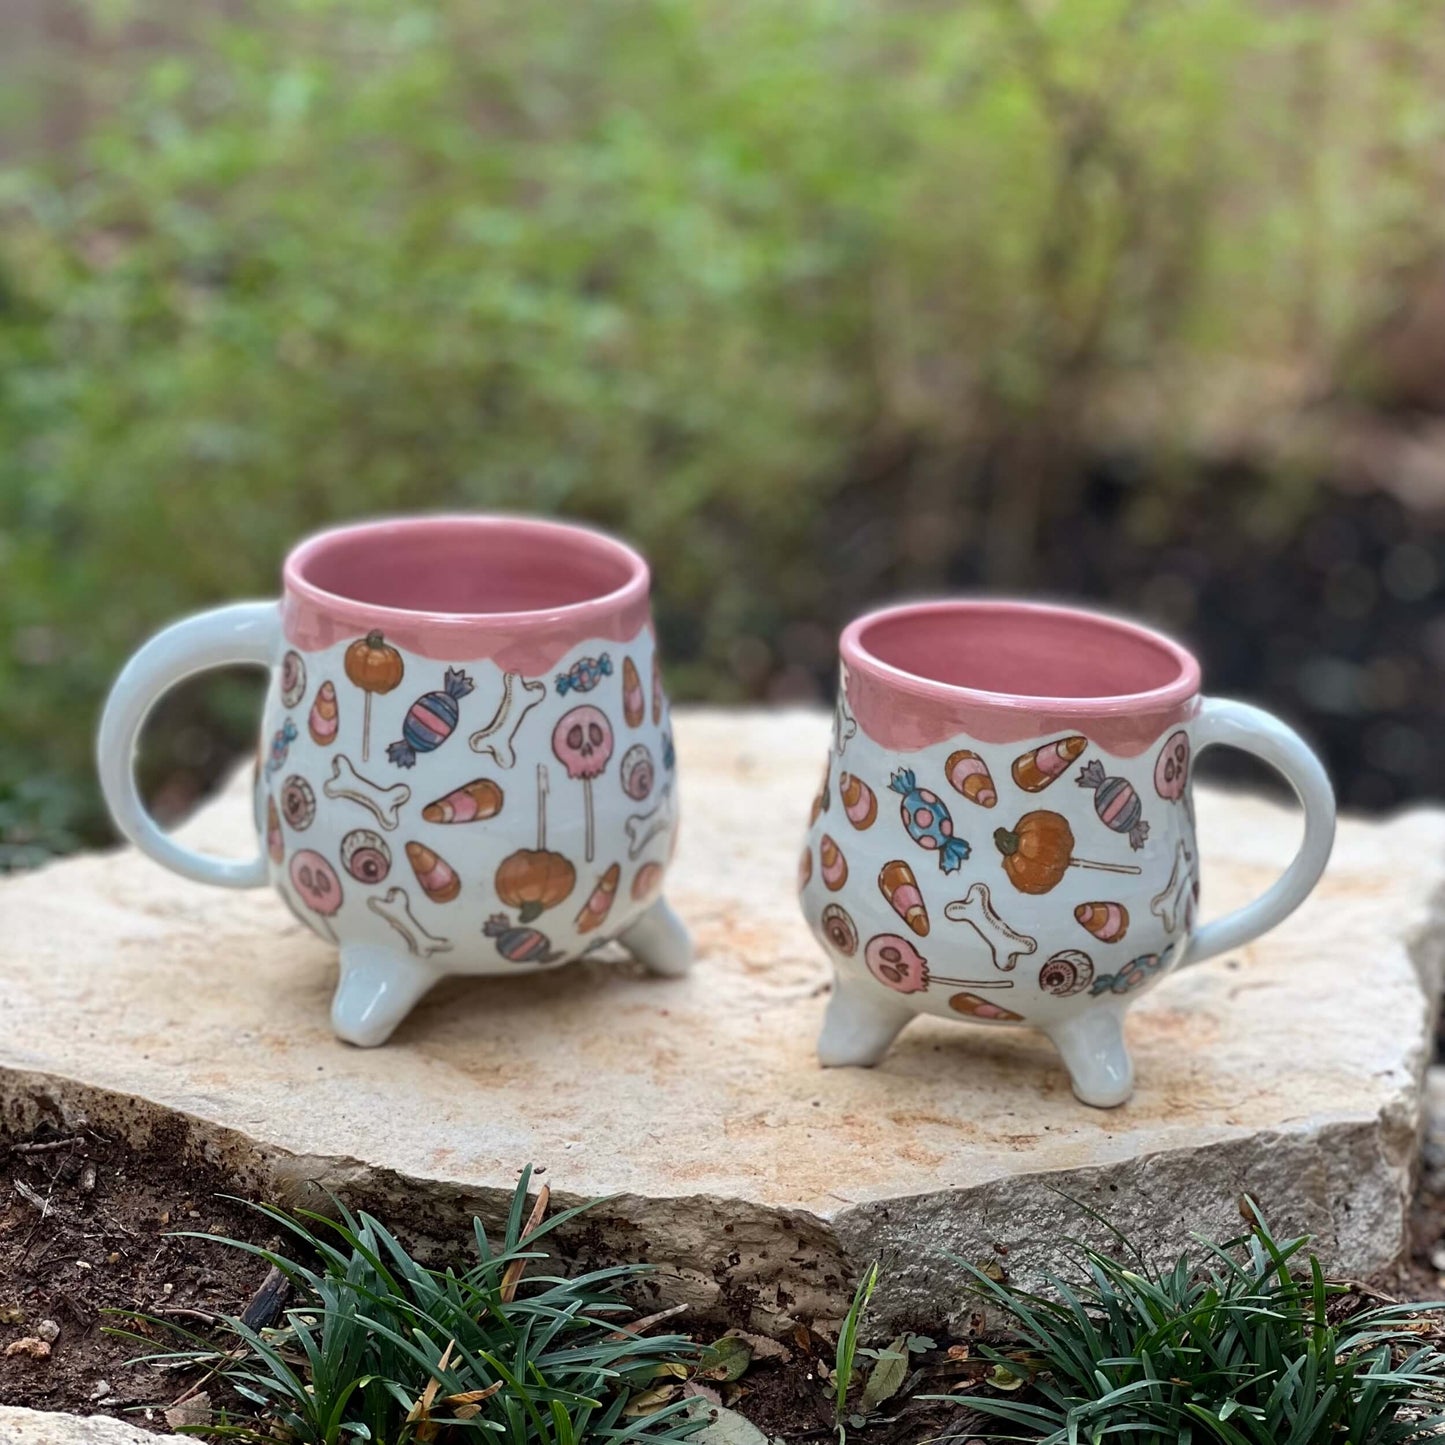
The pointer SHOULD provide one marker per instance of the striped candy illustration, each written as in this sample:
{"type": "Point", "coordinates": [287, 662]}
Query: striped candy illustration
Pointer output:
{"type": "Point", "coordinates": [1116, 803]}
{"type": "Point", "coordinates": [430, 720]}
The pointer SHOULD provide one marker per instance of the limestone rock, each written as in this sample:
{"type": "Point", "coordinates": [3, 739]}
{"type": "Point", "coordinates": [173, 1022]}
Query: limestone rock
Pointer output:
{"type": "Point", "coordinates": [757, 1183]}
{"type": "Point", "coordinates": [40, 1427]}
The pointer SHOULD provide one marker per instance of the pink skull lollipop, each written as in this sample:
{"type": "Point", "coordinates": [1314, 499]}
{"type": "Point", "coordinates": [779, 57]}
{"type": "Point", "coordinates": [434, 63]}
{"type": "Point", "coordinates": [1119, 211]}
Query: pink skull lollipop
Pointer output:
{"type": "Point", "coordinates": [1171, 770]}
{"type": "Point", "coordinates": [582, 741]}
{"type": "Point", "coordinates": [315, 880]}
{"type": "Point", "coordinates": [896, 964]}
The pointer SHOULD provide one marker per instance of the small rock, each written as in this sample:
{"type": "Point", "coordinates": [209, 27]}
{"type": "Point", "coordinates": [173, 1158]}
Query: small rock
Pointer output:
{"type": "Point", "coordinates": [100, 1390]}
{"type": "Point", "coordinates": [193, 1412]}
{"type": "Point", "coordinates": [48, 1331]}
{"type": "Point", "coordinates": [29, 1345]}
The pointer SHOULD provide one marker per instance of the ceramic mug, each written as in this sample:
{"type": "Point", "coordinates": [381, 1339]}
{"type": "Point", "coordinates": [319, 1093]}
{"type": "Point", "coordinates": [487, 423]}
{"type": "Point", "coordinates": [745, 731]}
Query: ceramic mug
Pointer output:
{"type": "Point", "coordinates": [466, 761]}
{"type": "Point", "coordinates": [1005, 832]}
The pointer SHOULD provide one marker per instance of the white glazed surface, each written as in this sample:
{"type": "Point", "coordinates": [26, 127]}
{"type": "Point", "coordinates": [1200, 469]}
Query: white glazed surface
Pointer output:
{"type": "Point", "coordinates": [450, 933]}
{"type": "Point", "coordinates": [1159, 891]}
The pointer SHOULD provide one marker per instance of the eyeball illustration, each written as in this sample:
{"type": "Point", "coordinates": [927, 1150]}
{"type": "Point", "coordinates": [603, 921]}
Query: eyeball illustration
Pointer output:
{"type": "Point", "coordinates": [365, 856]}
{"type": "Point", "coordinates": [840, 929]}
{"type": "Point", "coordinates": [1067, 973]}
{"type": "Point", "coordinates": [637, 772]}
{"type": "Point", "coordinates": [293, 678]}
{"type": "Point", "coordinates": [1171, 771]}
{"type": "Point", "coordinates": [298, 802]}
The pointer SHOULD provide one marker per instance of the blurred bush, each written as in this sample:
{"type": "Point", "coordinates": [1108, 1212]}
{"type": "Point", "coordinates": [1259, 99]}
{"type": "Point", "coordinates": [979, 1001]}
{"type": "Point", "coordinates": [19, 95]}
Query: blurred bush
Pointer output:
{"type": "Point", "coordinates": [814, 300]}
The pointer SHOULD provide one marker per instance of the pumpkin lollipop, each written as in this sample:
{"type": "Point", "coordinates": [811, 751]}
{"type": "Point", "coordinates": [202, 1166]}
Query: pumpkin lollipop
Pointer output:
{"type": "Point", "coordinates": [1039, 849]}
{"type": "Point", "coordinates": [373, 667]}
{"type": "Point", "coordinates": [534, 879]}
{"type": "Point", "coordinates": [582, 741]}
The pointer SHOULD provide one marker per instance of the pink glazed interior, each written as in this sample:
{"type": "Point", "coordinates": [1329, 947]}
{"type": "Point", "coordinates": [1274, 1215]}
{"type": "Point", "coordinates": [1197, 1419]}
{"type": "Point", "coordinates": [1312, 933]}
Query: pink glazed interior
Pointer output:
{"type": "Point", "coordinates": [1008, 671]}
{"type": "Point", "coordinates": [518, 591]}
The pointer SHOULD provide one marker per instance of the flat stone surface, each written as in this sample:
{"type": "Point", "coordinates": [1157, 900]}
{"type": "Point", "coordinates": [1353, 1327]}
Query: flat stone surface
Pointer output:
{"type": "Point", "coordinates": [41, 1427]}
{"type": "Point", "coordinates": [753, 1179]}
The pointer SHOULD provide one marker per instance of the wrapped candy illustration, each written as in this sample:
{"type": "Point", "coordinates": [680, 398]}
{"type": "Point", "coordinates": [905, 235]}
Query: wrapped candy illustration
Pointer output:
{"type": "Point", "coordinates": [532, 880]}
{"type": "Point", "coordinates": [1039, 849]}
{"type": "Point", "coordinates": [599, 903]}
{"type": "Point", "coordinates": [1116, 803]}
{"type": "Point", "coordinates": [1067, 973]}
{"type": "Point", "coordinates": [318, 887]}
{"type": "Point", "coordinates": [437, 877]}
{"type": "Point", "coordinates": [431, 719]}
{"type": "Point", "coordinates": [636, 772]}
{"type": "Point", "coordinates": [968, 774]}
{"type": "Point", "coordinates": [1108, 922]}
{"type": "Point", "coordinates": [473, 802]}
{"type": "Point", "coordinates": [325, 718]}
{"type": "Point", "coordinates": [365, 856]}
{"type": "Point", "coordinates": [280, 747]}
{"type": "Point", "coordinates": [275, 843]}
{"type": "Point", "coordinates": [1136, 972]}
{"type": "Point", "coordinates": [519, 945]}
{"type": "Point", "coordinates": [839, 929]}
{"type": "Point", "coordinates": [584, 675]}
{"type": "Point", "coordinates": [928, 821]}
{"type": "Point", "coordinates": [859, 801]}
{"type": "Point", "coordinates": [898, 885]}
{"type": "Point", "coordinates": [582, 741]}
{"type": "Point", "coordinates": [646, 881]}
{"type": "Point", "coordinates": [634, 705]}
{"type": "Point", "coordinates": [831, 864]}
{"type": "Point", "coordinates": [898, 965]}
{"type": "Point", "coordinates": [983, 1009]}
{"type": "Point", "coordinates": [293, 678]}
{"type": "Point", "coordinates": [374, 667]}
{"type": "Point", "coordinates": [1040, 767]}
{"type": "Point", "coordinates": [1171, 767]}
{"type": "Point", "coordinates": [298, 802]}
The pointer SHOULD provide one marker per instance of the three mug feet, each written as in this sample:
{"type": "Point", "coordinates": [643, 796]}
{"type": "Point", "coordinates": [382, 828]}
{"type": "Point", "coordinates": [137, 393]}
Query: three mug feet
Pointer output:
{"type": "Point", "coordinates": [1092, 1047]}
{"type": "Point", "coordinates": [379, 986]}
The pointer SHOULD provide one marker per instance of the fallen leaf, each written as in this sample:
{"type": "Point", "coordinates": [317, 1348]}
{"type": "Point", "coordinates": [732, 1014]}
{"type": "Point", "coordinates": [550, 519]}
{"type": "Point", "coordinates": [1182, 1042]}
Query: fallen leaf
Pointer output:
{"type": "Point", "coordinates": [958, 1353]}
{"type": "Point", "coordinates": [191, 1413]}
{"type": "Point", "coordinates": [726, 1427]}
{"type": "Point", "coordinates": [650, 1401]}
{"type": "Point", "coordinates": [1003, 1378]}
{"type": "Point", "coordinates": [763, 1347]}
{"type": "Point", "coordinates": [693, 1391]}
{"type": "Point", "coordinates": [513, 1275]}
{"type": "Point", "coordinates": [727, 1359]}
{"type": "Point", "coordinates": [921, 1344]}
{"type": "Point", "coordinates": [886, 1376]}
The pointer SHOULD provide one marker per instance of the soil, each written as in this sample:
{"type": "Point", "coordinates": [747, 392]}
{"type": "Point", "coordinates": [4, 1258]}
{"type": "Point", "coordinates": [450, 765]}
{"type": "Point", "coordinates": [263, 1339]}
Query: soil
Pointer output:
{"type": "Point", "coordinates": [95, 1236]}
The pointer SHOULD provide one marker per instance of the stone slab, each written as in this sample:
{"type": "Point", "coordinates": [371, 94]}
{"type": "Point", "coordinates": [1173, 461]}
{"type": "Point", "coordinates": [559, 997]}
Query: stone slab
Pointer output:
{"type": "Point", "coordinates": [41, 1427]}
{"type": "Point", "coordinates": [754, 1181]}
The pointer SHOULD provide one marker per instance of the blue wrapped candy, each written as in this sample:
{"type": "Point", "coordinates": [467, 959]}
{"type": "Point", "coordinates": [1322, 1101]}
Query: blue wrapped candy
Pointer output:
{"type": "Point", "coordinates": [928, 821]}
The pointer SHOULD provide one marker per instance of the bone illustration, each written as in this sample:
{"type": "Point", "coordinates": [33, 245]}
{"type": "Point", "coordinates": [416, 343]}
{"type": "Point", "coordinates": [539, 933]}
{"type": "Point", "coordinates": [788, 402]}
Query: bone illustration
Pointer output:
{"type": "Point", "coordinates": [1005, 944]}
{"type": "Point", "coordinates": [511, 713]}
{"type": "Point", "coordinates": [382, 803]}
{"type": "Point", "coordinates": [395, 907]}
{"type": "Point", "coordinates": [845, 725]}
{"type": "Point", "coordinates": [642, 828]}
{"type": "Point", "coordinates": [1170, 905]}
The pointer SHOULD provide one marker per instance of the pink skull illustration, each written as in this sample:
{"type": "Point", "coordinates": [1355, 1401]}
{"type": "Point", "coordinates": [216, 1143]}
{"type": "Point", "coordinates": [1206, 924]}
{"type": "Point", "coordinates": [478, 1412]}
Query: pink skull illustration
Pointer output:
{"type": "Point", "coordinates": [582, 741]}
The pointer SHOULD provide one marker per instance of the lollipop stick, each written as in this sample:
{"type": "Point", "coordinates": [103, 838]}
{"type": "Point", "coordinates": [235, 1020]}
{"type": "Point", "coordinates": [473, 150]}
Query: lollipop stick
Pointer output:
{"type": "Point", "coordinates": [1104, 867]}
{"type": "Point", "coordinates": [541, 807]}
{"type": "Point", "coordinates": [366, 728]}
{"type": "Point", "coordinates": [587, 786]}
{"type": "Point", "coordinates": [326, 924]}
{"type": "Point", "coordinates": [973, 982]}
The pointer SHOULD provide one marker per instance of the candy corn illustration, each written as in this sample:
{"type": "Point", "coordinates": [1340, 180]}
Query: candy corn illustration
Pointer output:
{"type": "Point", "coordinates": [438, 880]}
{"type": "Point", "coordinates": [324, 719]}
{"type": "Point", "coordinates": [860, 802]}
{"type": "Point", "coordinates": [634, 705]}
{"type": "Point", "coordinates": [473, 802]}
{"type": "Point", "coordinates": [1116, 803]}
{"type": "Point", "coordinates": [599, 905]}
{"type": "Point", "coordinates": [967, 773]}
{"type": "Point", "coordinates": [974, 1007]}
{"type": "Point", "coordinates": [275, 843]}
{"type": "Point", "coordinates": [1108, 922]}
{"type": "Point", "coordinates": [831, 864]}
{"type": "Point", "coordinates": [1036, 770]}
{"type": "Point", "coordinates": [898, 885]}
{"type": "Point", "coordinates": [646, 881]}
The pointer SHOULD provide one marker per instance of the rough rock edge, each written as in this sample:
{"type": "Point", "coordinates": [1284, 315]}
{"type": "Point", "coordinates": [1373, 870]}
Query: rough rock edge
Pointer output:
{"type": "Point", "coordinates": [45, 1427]}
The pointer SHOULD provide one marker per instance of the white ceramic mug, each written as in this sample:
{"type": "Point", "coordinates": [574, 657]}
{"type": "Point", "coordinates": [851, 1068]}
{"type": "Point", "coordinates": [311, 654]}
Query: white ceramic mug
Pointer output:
{"type": "Point", "coordinates": [1005, 832]}
{"type": "Point", "coordinates": [466, 756]}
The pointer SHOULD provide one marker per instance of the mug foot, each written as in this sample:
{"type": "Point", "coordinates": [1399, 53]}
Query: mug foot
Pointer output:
{"type": "Point", "coordinates": [859, 1026]}
{"type": "Point", "coordinates": [1094, 1052]}
{"type": "Point", "coordinates": [378, 988]}
{"type": "Point", "coordinates": [660, 942]}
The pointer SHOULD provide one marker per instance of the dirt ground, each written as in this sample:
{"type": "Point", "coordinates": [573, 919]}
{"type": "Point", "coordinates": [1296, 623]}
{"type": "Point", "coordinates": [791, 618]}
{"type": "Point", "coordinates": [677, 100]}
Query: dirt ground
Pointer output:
{"type": "Point", "coordinates": [93, 1234]}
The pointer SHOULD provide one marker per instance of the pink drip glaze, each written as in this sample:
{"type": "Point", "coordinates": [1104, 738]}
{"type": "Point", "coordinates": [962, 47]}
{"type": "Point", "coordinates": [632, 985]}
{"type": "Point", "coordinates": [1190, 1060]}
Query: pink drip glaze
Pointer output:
{"type": "Point", "coordinates": [1004, 672]}
{"type": "Point", "coordinates": [516, 591]}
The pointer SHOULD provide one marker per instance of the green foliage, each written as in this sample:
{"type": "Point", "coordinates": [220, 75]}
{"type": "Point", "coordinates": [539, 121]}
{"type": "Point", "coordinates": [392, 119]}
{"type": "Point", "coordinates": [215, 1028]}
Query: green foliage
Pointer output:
{"type": "Point", "coordinates": [377, 1347]}
{"type": "Point", "coordinates": [1233, 1346]}
{"type": "Point", "coordinates": [845, 1355]}
{"type": "Point", "coordinates": [768, 285]}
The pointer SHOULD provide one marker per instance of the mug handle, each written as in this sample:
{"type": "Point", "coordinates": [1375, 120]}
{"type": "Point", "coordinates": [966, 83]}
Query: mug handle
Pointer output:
{"type": "Point", "coordinates": [243, 632]}
{"type": "Point", "coordinates": [1221, 722]}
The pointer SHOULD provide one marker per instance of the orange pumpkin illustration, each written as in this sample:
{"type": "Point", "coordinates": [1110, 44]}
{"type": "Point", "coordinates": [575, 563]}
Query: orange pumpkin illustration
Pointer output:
{"type": "Point", "coordinates": [534, 879]}
{"type": "Point", "coordinates": [373, 666]}
{"type": "Point", "coordinates": [1039, 849]}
